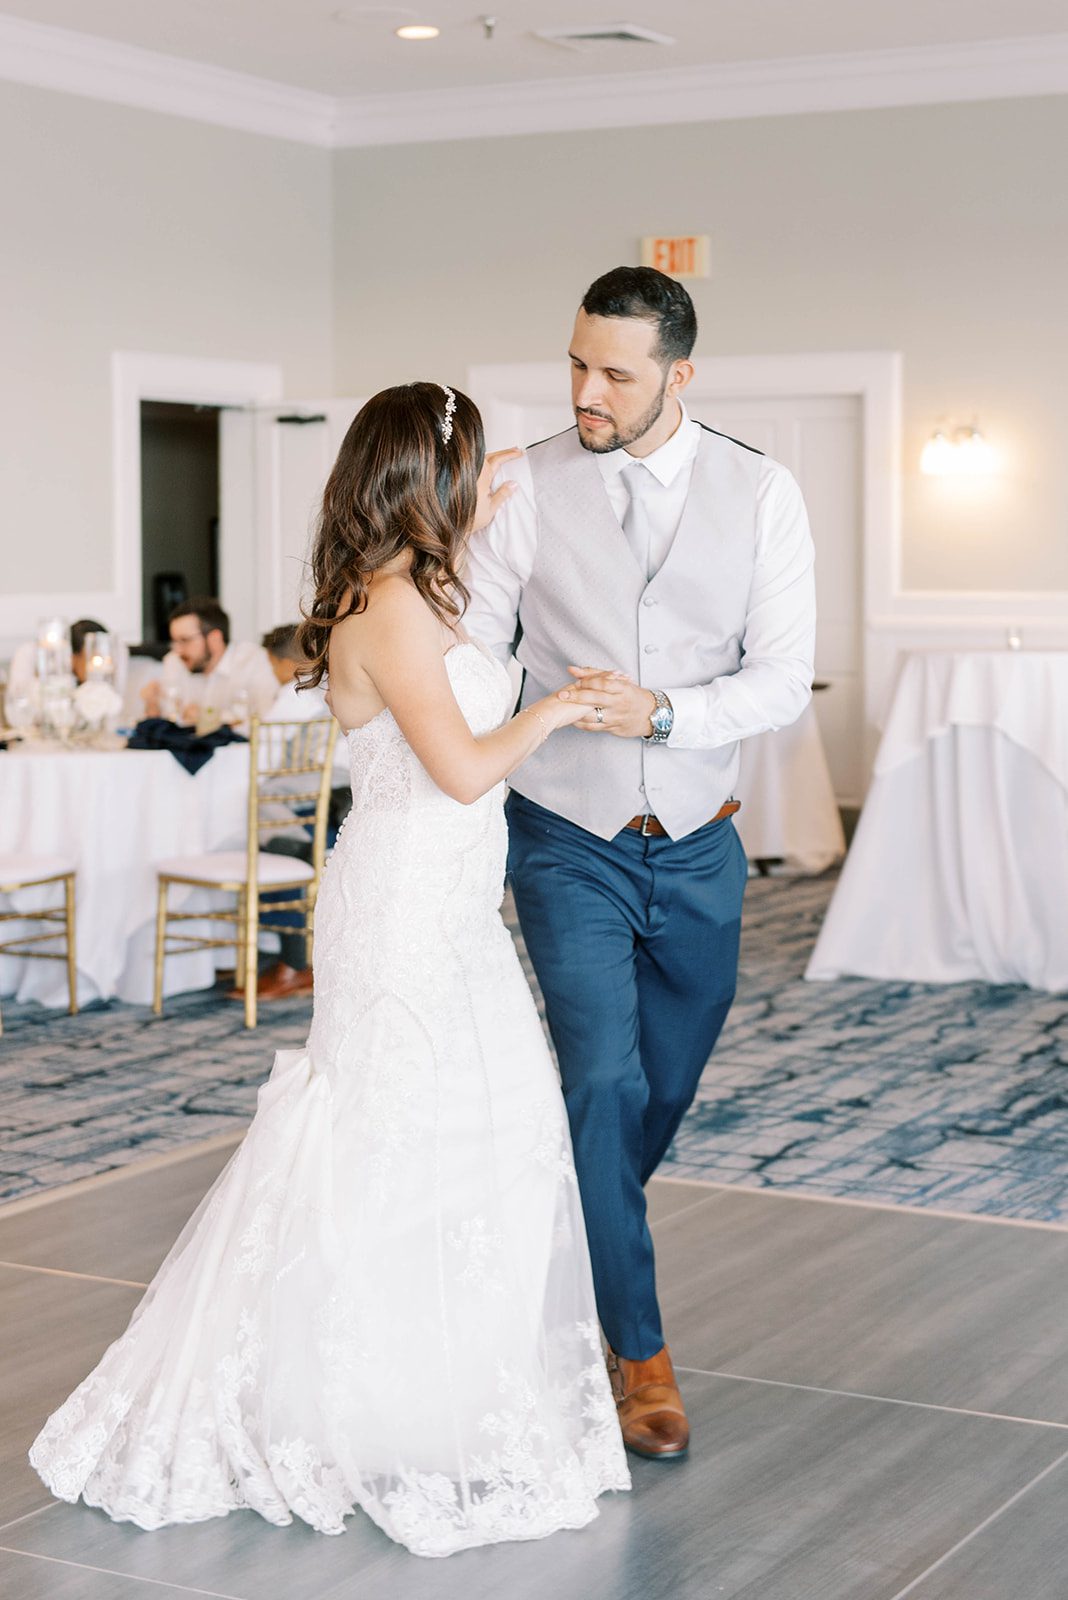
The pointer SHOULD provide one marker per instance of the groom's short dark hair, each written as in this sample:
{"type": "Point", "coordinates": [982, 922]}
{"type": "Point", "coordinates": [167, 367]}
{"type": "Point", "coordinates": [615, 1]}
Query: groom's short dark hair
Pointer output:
{"type": "Point", "coordinates": [651, 296]}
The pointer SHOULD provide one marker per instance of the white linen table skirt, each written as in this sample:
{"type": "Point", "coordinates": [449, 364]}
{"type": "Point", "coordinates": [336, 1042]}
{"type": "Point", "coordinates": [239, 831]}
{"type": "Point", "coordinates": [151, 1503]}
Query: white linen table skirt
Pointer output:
{"type": "Point", "coordinates": [789, 812]}
{"type": "Point", "coordinates": [959, 867]}
{"type": "Point", "coordinates": [117, 813]}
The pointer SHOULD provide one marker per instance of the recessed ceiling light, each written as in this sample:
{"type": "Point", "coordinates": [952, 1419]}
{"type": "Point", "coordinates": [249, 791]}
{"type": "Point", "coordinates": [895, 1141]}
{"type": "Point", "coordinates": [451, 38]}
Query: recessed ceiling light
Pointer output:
{"type": "Point", "coordinates": [418, 30]}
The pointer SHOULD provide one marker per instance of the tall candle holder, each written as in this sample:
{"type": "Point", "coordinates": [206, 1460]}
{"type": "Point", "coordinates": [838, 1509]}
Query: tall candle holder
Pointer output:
{"type": "Point", "coordinates": [99, 658]}
{"type": "Point", "coordinates": [53, 649]}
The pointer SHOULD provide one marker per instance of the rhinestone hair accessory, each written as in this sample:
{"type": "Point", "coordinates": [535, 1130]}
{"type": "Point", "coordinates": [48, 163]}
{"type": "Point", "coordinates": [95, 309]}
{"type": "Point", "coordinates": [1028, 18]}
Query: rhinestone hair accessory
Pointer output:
{"type": "Point", "coordinates": [450, 407]}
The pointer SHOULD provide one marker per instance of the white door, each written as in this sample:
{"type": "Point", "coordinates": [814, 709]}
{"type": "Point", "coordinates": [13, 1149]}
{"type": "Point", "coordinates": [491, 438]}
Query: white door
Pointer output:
{"type": "Point", "coordinates": [274, 464]}
{"type": "Point", "coordinates": [819, 437]}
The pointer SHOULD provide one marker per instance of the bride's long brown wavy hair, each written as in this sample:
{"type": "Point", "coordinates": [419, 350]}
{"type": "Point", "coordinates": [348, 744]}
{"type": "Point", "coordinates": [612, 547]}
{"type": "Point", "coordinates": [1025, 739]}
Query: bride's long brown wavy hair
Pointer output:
{"type": "Point", "coordinates": [396, 485]}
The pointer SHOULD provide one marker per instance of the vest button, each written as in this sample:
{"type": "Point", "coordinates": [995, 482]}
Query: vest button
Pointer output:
{"type": "Point", "coordinates": [648, 601]}
{"type": "Point", "coordinates": [651, 649]}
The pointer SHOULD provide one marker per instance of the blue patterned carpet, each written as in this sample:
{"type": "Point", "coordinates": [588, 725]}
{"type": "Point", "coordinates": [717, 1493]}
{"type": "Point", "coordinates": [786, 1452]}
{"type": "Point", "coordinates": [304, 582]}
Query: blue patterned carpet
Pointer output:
{"type": "Point", "coordinates": [950, 1097]}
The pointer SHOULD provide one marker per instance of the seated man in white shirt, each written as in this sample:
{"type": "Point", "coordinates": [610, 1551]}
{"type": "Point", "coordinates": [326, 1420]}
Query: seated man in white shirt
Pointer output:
{"type": "Point", "coordinates": [204, 676]}
{"type": "Point", "coordinates": [286, 658]}
{"type": "Point", "coordinates": [291, 973]}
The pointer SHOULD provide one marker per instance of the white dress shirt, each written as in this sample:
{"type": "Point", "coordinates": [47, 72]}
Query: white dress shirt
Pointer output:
{"type": "Point", "coordinates": [781, 616]}
{"type": "Point", "coordinates": [242, 668]}
{"type": "Point", "coordinates": [305, 705]}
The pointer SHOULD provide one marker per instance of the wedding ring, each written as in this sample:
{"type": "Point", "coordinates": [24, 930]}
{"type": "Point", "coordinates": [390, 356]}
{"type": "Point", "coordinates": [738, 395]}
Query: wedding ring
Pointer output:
{"type": "Point", "coordinates": [598, 712]}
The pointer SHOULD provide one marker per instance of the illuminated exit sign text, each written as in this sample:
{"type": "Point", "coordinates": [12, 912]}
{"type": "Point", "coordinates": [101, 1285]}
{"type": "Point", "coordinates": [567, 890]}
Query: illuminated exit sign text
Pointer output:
{"type": "Point", "coordinates": [684, 257]}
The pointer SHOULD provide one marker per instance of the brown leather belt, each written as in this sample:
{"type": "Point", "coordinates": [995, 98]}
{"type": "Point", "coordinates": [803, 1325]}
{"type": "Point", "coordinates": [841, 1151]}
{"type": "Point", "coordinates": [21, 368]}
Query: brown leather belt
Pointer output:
{"type": "Point", "coordinates": [650, 828]}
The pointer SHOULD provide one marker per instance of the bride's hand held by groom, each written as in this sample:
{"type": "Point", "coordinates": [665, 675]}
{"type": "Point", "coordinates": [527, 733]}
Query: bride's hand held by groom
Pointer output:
{"type": "Point", "coordinates": [624, 705]}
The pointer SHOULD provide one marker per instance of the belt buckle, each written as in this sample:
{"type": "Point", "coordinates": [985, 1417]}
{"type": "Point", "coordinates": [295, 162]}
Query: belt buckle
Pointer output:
{"type": "Point", "coordinates": [646, 819]}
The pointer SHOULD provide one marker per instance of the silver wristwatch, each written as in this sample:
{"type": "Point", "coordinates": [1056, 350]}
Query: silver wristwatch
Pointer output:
{"type": "Point", "coordinates": [662, 718]}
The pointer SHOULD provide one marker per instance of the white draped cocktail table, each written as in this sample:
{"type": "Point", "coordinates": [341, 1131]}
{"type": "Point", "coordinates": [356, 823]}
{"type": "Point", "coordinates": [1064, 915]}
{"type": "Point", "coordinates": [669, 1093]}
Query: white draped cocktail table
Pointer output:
{"type": "Point", "coordinates": [959, 867]}
{"type": "Point", "coordinates": [116, 813]}
{"type": "Point", "coordinates": [789, 812]}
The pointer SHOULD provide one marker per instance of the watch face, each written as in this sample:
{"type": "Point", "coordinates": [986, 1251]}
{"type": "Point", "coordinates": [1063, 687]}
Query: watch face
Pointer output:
{"type": "Point", "coordinates": [662, 719]}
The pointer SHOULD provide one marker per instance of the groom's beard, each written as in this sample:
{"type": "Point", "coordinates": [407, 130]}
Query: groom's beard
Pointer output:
{"type": "Point", "coordinates": [601, 443]}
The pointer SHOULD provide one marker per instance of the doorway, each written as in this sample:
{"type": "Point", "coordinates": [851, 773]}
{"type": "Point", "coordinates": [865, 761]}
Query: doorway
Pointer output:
{"type": "Point", "coordinates": [179, 509]}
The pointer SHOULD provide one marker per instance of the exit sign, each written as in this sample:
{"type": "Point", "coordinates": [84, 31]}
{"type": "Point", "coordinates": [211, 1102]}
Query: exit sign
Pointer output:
{"type": "Point", "coordinates": [683, 257]}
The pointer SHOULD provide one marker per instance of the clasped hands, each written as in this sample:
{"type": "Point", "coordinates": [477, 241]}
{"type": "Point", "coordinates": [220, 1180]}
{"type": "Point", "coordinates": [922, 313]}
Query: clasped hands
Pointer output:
{"type": "Point", "coordinates": [625, 706]}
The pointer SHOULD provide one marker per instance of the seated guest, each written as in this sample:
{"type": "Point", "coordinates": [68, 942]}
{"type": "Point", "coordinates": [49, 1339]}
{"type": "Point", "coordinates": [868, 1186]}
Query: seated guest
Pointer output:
{"type": "Point", "coordinates": [203, 674]}
{"type": "Point", "coordinates": [293, 704]}
{"type": "Point", "coordinates": [287, 659]}
{"type": "Point", "coordinates": [22, 672]}
{"type": "Point", "coordinates": [291, 974]}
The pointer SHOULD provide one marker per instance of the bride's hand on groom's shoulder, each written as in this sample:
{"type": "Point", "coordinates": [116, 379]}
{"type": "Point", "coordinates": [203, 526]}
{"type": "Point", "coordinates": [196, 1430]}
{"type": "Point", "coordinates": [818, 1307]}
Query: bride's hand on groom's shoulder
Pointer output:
{"type": "Point", "coordinates": [625, 707]}
{"type": "Point", "coordinates": [490, 500]}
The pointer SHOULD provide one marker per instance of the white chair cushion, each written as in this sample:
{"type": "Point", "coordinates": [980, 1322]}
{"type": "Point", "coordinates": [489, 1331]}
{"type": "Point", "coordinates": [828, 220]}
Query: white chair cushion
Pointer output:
{"type": "Point", "coordinates": [231, 866]}
{"type": "Point", "coordinates": [18, 868]}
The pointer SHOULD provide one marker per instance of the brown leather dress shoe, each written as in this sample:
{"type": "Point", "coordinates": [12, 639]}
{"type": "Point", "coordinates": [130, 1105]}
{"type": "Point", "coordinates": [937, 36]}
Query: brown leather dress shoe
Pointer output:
{"type": "Point", "coordinates": [651, 1413]}
{"type": "Point", "coordinates": [278, 982]}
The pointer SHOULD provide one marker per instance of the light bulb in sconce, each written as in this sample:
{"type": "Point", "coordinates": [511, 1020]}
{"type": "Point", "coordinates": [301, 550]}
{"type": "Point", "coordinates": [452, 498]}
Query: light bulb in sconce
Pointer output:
{"type": "Point", "coordinates": [937, 455]}
{"type": "Point", "coordinates": [963, 453]}
{"type": "Point", "coordinates": [976, 452]}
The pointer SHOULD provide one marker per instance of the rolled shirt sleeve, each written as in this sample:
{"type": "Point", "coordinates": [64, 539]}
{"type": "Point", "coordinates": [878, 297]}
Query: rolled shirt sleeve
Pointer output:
{"type": "Point", "coordinates": [774, 682]}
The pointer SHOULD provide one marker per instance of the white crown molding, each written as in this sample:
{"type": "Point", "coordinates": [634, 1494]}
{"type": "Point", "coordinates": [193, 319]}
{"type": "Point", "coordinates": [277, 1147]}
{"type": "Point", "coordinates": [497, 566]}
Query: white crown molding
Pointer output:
{"type": "Point", "coordinates": [1000, 69]}
{"type": "Point", "coordinates": [124, 74]}
{"type": "Point", "coordinates": [78, 63]}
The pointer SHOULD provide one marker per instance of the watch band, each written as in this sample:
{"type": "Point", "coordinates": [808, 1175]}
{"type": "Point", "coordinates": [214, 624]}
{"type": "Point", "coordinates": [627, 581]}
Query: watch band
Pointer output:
{"type": "Point", "coordinates": [660, 735]}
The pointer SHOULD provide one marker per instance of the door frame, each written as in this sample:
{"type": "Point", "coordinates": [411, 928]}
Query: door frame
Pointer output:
{"type": "Point", "coordinates": [189, 380]}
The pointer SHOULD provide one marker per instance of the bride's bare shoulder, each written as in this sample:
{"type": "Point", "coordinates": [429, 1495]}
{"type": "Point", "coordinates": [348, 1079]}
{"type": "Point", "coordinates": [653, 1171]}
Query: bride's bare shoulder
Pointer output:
{"type": "Point", "coordinates": [390, 602]}
{"type": "Point", "coordinates": [393, 613]}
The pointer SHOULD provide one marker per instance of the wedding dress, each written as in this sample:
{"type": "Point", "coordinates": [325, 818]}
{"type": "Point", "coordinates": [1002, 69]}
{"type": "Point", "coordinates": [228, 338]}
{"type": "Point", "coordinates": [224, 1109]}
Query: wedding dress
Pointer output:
{"type": "Point", "coordinates": [385, 1299]}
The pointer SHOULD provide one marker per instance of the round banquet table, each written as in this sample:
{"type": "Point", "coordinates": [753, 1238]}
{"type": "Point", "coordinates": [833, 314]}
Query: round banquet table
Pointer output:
{"type": "Point", "coordinates": [116, 813]}
{"type": "Point", "coordinates": [959, 866]}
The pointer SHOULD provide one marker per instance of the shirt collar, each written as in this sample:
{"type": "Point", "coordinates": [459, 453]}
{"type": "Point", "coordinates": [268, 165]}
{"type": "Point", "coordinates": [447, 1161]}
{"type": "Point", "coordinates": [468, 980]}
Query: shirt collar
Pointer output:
{"type": "Point", "coordinates": [664, 463]}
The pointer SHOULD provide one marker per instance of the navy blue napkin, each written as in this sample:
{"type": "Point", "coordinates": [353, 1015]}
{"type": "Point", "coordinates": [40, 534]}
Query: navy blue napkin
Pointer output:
{"type": "Point", "coordinates": [190, 749]}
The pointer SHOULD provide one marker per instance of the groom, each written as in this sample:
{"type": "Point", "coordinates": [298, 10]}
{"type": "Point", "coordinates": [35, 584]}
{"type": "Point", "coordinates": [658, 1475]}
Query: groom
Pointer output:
{"type": "Point", "coordinates": [668, 569]}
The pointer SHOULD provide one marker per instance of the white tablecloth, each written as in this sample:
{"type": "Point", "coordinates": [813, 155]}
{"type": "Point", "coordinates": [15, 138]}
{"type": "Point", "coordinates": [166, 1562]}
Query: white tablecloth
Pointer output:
{"type": "Point", "coordinates": [789, 812]}
{"type": "Point", "coordinates": [959, 867]}
{"type": "Point", "coordinates": [116, 813]}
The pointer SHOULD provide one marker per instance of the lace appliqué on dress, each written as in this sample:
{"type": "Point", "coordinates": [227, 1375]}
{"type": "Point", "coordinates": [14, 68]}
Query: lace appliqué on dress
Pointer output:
{"type": "Point", "coordinates": [385, 1300]}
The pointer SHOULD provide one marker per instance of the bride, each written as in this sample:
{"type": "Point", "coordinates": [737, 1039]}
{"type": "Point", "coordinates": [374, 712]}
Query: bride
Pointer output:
{"type": "Point", "coordinates": [385, 1299]}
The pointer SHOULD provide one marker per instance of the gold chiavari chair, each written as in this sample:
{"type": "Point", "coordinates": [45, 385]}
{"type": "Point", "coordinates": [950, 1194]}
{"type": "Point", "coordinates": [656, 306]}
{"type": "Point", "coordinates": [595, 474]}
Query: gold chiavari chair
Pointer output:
{"type": "Point", "coordinates": [290, 767]}
{"type": "Point", "coordinates": [31, 872]}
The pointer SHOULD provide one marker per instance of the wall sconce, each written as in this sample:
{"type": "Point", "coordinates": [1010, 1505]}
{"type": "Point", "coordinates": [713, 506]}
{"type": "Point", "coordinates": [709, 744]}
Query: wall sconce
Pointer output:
{"type": "Point", "coordinates": [961, 453]}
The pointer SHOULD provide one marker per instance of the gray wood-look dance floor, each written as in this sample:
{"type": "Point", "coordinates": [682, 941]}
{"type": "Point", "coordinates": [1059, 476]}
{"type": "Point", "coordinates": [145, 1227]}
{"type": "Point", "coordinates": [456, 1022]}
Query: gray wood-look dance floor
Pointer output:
{"type": "Point", "coordinates": [879, 1400]}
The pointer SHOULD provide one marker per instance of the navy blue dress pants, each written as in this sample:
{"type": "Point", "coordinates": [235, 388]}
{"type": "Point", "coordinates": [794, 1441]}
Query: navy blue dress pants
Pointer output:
{"type": "Point", "coordinates": [635, 944]}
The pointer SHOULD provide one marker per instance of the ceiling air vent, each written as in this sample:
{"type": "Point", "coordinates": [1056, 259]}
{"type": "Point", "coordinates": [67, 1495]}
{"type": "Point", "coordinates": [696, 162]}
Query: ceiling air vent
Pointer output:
{"type": "Point", "coordinates": [601, 33]}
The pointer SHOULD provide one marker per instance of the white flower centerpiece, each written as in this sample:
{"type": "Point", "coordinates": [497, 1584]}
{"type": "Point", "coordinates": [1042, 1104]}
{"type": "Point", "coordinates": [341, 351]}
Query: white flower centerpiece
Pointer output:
{"type": "Point", "coordinates": [96, 704]}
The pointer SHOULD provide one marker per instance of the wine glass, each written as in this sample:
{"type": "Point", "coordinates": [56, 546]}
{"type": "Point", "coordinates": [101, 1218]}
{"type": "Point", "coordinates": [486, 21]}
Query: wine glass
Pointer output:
{"type": "Point", "coordinates": [61, 714]}
{"type": "Point", "coordinates": [22, 714]}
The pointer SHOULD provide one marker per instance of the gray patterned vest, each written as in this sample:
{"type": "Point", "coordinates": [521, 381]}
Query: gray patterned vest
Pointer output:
{"type": "Point", "coordinates": [586, 602]}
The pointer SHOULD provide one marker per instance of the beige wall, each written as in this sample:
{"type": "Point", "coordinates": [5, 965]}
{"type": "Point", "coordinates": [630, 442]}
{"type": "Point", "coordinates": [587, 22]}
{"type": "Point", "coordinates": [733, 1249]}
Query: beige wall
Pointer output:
{"type": "Point", "coordinates": [124, 230]}
{"type": "Point", "coordinates": [940, 231]}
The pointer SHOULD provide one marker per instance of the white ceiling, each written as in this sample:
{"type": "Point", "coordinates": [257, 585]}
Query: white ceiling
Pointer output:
{"type": "Point", "coordinates": [302, 43]}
